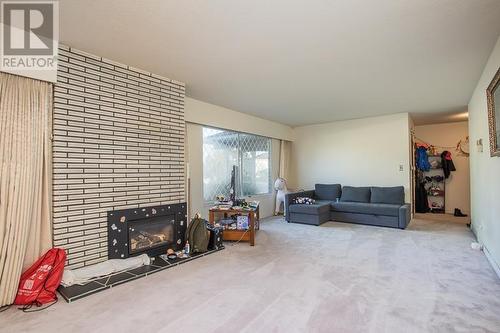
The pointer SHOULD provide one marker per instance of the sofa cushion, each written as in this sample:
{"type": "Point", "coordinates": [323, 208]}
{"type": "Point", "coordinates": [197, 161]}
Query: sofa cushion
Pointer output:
{"type": "Point", "coordinates": [309, 218]}
{"type": "Point", "coordinates": [320, 207]}
{"type": "Point", "coordinates": [388, 195]}
{"type": "Point", "coordinates": [327, 191]}
{"type": "Point", "coordinates": [366, 208]}
{"type": "Point", "coordinates": [355, 194]}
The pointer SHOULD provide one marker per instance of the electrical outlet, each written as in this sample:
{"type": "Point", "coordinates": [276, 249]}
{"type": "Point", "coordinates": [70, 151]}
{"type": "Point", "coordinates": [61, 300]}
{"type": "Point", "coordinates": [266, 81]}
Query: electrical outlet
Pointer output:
{"type": "Point", "coordinates": [401, 167]}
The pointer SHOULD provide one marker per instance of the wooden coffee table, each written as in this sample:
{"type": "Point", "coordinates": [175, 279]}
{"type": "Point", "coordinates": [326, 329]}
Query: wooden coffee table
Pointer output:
{"type": "Point", "coordinates": [237, 235]}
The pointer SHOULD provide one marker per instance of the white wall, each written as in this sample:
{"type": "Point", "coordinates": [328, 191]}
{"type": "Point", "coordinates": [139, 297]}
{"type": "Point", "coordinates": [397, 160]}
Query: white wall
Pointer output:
{"type": "Point", "coordinates": [485, 170]}
{"type": "Point", "coordinates": [200, 113]}
{"type": "Point", "coordinates": [194, 163]}
{"type": "Point", "coordinates": [457, 185]}
{"type": "Point", "coordinates": [203, 113]}
{"type": "Point", "coordinates": [360, 152]}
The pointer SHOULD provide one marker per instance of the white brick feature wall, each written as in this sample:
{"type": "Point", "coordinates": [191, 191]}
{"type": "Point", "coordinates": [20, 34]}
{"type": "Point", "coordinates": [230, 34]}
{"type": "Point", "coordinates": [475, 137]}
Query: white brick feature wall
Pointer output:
{"type": "Point", "coordinates": [118, 143]}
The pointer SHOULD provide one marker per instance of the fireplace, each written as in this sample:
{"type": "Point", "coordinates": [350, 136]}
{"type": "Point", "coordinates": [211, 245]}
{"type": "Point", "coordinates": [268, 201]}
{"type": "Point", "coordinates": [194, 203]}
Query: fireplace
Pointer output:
{"type": "Point", "coordinates": [150, 230]}
{"type": "Point", "coordinates": [150, 233]}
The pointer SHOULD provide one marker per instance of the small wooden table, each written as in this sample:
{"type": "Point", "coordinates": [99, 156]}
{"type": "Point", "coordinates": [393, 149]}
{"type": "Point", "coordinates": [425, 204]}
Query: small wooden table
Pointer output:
{"type": "Point", "coordinates": [238, 235]}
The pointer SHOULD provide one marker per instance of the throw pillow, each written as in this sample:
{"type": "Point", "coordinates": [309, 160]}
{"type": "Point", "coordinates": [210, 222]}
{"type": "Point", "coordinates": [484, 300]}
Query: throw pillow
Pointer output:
{"type": "Point", "coordinates": [304, 201]}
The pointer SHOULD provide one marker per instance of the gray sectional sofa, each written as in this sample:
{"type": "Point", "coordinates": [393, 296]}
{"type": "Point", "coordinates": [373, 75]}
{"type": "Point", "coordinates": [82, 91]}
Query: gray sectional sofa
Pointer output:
{"type": "Point", "coordinates": [380, 206]}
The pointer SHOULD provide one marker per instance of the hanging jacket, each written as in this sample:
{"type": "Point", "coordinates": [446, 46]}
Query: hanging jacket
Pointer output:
{"type": "Point", "coordinates": [422, 159]}
{"type": "Point", "coordinates": [447, 163]}
{"type": "Point", "coordinates": [421, 200]}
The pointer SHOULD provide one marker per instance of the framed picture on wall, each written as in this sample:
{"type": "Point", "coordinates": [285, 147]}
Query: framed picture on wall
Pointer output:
{"type": "Point", "coordinates": [493, 97]}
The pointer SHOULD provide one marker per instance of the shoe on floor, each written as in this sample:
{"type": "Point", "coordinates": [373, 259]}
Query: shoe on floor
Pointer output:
{"type": "Point", "coordinates": [459, 213]}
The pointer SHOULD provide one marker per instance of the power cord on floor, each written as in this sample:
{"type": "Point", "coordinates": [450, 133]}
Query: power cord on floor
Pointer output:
{"type": "Point", "coordinates": [28, 308]}
{"type": "Point", "coordinates": [243, 235]}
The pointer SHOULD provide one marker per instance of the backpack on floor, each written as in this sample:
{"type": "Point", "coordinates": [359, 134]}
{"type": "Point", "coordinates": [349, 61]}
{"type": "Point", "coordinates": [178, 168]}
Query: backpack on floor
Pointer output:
{"type": "Point", "coordinates": [197, 235]}
{"type": "Point", "coordinates": [38, 283]}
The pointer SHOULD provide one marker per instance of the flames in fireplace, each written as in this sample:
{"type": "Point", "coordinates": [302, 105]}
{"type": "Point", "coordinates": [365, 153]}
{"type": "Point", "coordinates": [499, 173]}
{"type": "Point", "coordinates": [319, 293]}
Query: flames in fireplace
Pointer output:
{"type": "Point", "coordinates": [146, 236]}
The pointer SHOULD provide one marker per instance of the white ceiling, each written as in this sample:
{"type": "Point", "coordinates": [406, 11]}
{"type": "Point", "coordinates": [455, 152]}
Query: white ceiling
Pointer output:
{"type": "Point", "coordinates": [299, 62]}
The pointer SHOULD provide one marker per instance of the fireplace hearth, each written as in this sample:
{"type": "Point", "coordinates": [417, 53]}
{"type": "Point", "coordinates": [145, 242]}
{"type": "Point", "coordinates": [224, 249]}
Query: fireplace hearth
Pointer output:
{"type": "Point", "coordinates": [150, 230]}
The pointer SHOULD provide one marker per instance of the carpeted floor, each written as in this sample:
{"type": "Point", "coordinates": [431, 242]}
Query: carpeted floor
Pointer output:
{"type": "Point", "coordinates": [334, 278]}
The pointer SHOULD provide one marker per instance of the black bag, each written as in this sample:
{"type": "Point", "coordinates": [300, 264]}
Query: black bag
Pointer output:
{"type": "Point", "coordinates": [215, 239]}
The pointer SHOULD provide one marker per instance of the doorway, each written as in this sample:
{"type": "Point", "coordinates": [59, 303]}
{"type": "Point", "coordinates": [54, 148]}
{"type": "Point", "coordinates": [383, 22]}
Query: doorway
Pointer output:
{"type": "Point", "coordinates": [441, 176]}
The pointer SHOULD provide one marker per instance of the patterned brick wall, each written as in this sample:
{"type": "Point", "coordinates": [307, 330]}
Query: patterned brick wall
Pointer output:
{"type": "Point", "coordinates": [118, 143]}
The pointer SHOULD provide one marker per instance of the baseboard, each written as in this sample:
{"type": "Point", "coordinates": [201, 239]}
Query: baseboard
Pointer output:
{"type": "Point", "coordinates": [492, 261]}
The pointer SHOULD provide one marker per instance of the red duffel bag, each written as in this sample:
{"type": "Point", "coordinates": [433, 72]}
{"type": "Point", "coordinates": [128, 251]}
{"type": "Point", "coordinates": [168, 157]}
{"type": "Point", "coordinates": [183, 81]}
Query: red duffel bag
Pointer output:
{"type": "Point", "coordinates": [39, 282]}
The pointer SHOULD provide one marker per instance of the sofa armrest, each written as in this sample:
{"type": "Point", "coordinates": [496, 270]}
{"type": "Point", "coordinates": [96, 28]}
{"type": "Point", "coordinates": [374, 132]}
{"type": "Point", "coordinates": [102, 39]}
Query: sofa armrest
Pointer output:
{"type": "Point", "coordinates": [289, 197]}
{"type": "Point", "coordinates": [404, 216]}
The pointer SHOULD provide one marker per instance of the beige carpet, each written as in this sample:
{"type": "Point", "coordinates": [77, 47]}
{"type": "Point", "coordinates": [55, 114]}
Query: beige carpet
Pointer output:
{"type": "Point", "coordinates": [334, 278]}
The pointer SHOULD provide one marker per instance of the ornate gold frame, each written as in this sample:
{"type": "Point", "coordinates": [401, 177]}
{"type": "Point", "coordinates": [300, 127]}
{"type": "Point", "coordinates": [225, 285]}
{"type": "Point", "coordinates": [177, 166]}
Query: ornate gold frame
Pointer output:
{"type": "Point", "coordinates": [495, 83]}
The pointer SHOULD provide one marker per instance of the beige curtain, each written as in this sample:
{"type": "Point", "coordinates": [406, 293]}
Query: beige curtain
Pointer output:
{"type": "Point", "coordinates": [285, 152]}
{"type": "Point", "coordinates": [25, 177]}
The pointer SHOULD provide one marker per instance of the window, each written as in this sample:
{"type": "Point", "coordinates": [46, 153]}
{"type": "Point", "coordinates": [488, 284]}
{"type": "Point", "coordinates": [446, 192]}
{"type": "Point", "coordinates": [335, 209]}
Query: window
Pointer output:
{"type": "Point", "coordinates": [249, 153]}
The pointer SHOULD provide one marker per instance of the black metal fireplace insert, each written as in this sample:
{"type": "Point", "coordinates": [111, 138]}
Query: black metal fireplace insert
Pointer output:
{"type": "Point", "coordinates": [150, 230]}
